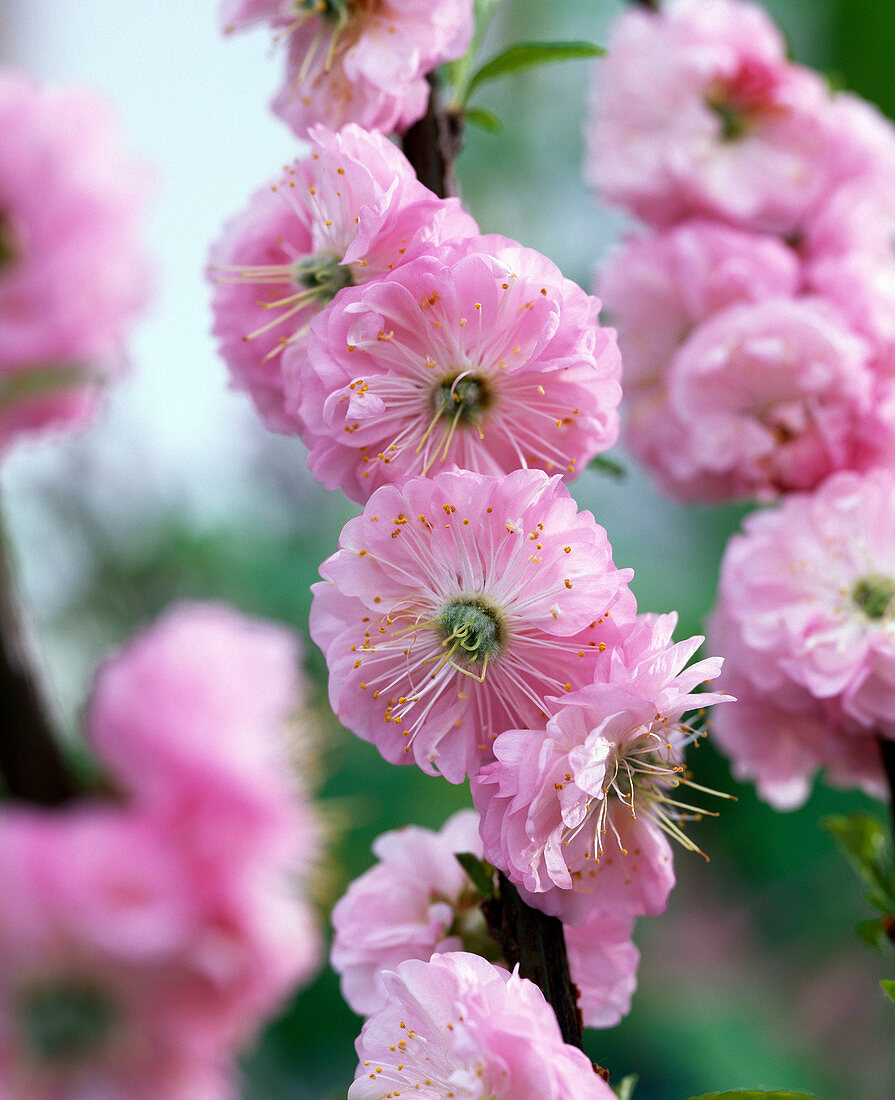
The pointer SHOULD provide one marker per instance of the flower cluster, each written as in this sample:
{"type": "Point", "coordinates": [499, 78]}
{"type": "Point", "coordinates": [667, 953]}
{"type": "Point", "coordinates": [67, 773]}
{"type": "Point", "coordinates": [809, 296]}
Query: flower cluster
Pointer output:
{"type": "Point", "coordinates": [72, 276]}
{"type": "Point", "coordinates": [395, 339]}
{"type": "Point", "coordinates": [806, 613]}
{"type": "Point", "coordinates": [758, 295]}
{"type": "Point", "coordinates": [362, 61]}
{"type": "Point", "coordinates": [457, 1026]}
{"type": "Point", "coordinates": [417, 901]}
{"type": "Point", "coordinates": [143, 942]}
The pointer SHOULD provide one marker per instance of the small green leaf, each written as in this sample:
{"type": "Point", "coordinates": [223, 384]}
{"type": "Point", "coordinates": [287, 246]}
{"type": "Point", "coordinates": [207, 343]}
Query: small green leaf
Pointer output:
{"type": "Point", "coordinates": [624, 1090]}
{"type": "Point", "coordinates": [888, 988]}
{"type": "Point", "coordinates": [480, 871]}
{"type": "Point", "coordinates": [525, 55]}
{"type": "Point", "coordinates": [866, 845]}
{"type": "Point", "coordinates": [755, 1094]}
{"type": "Point", "coordinates": [42, 379]}
{"type": "Point", "coordinates": [604, 465]}
{"type": "Point", "coordinates": [872, 933]}
{"type": "Point", "coordinates": [485, 120]}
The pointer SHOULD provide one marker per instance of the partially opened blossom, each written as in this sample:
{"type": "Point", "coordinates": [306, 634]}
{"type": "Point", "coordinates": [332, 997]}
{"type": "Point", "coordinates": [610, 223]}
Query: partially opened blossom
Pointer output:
{"type": "Point", "coordinates": [577, 811]}
{"type": "Point", "coordinates": [72, 274]}
{"type": "Point", "coordinates": [786, 394]}
{"type": "Point", "coordinates": [455, 605]}
{"type": "Point", "coordinates": [696, 110]}
{"type": "Point", "coordinates": [192, 719]}
{"type": "Point", "coordinates": [362, 61]}
{"type": "Point", "coordinates": [121, 977]}
{"type": "Point", "coordinates": [348, 212]}
{"type": "Point", "coordinates": [479, 354]}
{"type": "Point", "coordinates": [805, 615]}
{"type": "Point", "coordinates": [417, 901]}
{"type": "Point", "coordinates": [459, 1027]}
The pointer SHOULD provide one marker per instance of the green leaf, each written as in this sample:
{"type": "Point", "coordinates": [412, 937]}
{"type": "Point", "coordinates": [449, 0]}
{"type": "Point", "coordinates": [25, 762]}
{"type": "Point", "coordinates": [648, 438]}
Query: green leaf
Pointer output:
{"type": "Point", "coordinates": [604, 465]}
{"type": "Point", "coordinates": [45, 378]}
{"type": "Point", "coordinates": [872, 933]}
{"type": "Point", "coordinates": [624, 1090]}
{"type": "Point", "coordinates": [525, 55]}
{"type": "Point", "coordinates": [755, 1094]}
{"type": "Point", "coordinates": [888, 988]}
{"type": "Point", "coordinates": [480, 871]}
{"type": "Point", "coordinates": [485, 120]}
{"type": "Point", "coordinates": [459, 72]}
{"type": "Point", "coordinates": [866, 846]}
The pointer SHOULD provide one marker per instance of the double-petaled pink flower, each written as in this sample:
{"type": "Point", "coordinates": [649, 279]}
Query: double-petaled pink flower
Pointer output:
{"type": "Point", "coordinates": [362, 61]}
{"type": "Point", "coordinates": [455, 605]}
{"type": "Point", "coordinates": [806, 618]}
{"type": "Point", "coordinates": [417, 901]}
{"type": "Point", "coordinates": [350, 211]}
{"type": "Point", "coordinates": [457, 1026]}
{"type": "Point", "coordinates": [72, 274]}
{"type": "Point", "coordinates": [577, 810]}
{"type": "Point", "coordinates": [479, 353]}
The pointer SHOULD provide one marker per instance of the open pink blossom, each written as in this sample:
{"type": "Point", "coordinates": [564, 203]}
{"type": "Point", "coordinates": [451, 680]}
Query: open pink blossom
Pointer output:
{"type": "Point", "coordinates": [577, 813]}
{"type": "Point", "coordinates": [787, 394]}
{"type": "Point", "coordinates": [696, 110]}
{"type": "Point", "coordinates": [417, 901]}
{"type": "Point", "coordinates": [345, 214]}
{"type": "Point", "coordinates": [366, 61]}
{"type": "Point", "coordinates": [119, 979]}
{"type": "Point", "coordinates": [72, 274]}
{"type": "Point", "coordinates": [192, 718]}
{"type": "Point", "coordinates": [457, 1026]}
{"type": "Point", "coordinates": [805, 613]}
{"type": "Point", "coordinates": [479, 354]}
{"type": "Point", "coordinates": [455, 605]}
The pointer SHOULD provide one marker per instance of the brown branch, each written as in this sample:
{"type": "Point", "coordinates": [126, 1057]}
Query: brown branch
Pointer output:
{"type": "Point", "coordinates": [432, 144]}
{"type": "Point", "coordinates": [887, 752]}
{"type": "Point", "coordinates": [536, 942]}
{"type": "Point", "coordinates": [31, 766]}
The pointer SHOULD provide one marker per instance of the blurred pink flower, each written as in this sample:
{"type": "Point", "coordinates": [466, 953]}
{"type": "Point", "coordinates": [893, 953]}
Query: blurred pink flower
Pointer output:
{"type": "Point", "coordinates": [455, 605]}
{"type": "Point", "coordinates": [417, 901]}
{"type": "Point", "coordinates": [696, 110]}
{"type": "Point", "coordinates": [458, 1026]}
{"type": "Point", "coordinates": [479, 353]}
{"type": "Point", "coordinates": [577, 813]}
{"type": "Point", "coordinates": [345, 214]}
{"type": "Point", "coordinates": [362, 61]}
{"type": "Point", "coordinates": [786, 394]}
{"type": "Point", "coordinates": [805, 617]}
{"type": "Point", "coordinates": [72, 275]}
{"type": "Point", "coordinates": [120, 979]}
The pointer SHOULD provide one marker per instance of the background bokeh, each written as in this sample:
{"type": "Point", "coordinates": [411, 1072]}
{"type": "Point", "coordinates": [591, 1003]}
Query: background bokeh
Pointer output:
{"type": "Point", "coordinates": [753, 977]}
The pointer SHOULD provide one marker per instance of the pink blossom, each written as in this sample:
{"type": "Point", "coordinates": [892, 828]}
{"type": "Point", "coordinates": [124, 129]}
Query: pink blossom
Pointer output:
{"type": "Point", "coordinates": [697, 111]}
{"type": "Point", "coordinates": [659, 287]}
{"type": "Point", "coordinates": [767, 398]}
{"type": "Point", "coordinates": [479, 353]}
{"type": "Point", "coordinates": [455, 605]}
{"type": "Point", "coordinates": [345, 214]}
{"type": "Point", "coordinates": [580, 824]}
{"type": "Point", "coordinates": [362, 61]}
{"type": "Point", "coordinates": [417, 901]}
{"type": "Point", "coordinates": [72, 276]}
{"type": "Point", "coordinates": [457, 1026]}
{"type": "Point", "coordinates": [805, 616]}
{"type": "Point", "coordinates": [117, 979]}
{"type": "Point", "coordinates": [191, 718]}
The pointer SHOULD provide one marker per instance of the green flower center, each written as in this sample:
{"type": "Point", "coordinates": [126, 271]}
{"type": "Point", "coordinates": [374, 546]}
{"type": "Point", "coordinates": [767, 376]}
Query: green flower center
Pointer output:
{"type": "Point", "coordinates": [323, 275]}
{"type": "Point", "coordinates": [336, 10]}
{"type": "Point", "coordinates": [471, 629]}
{"type": "Point", "coordinates": [463, 397]}
{"type": "Point", "coordinates": [66, 1021]}
{"type": "Point", "coordinates": [734, 120]}
{"type": "Point", "coordinates": [874, 595]}
{"type": "Point", "coordinates": [8, 250]}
